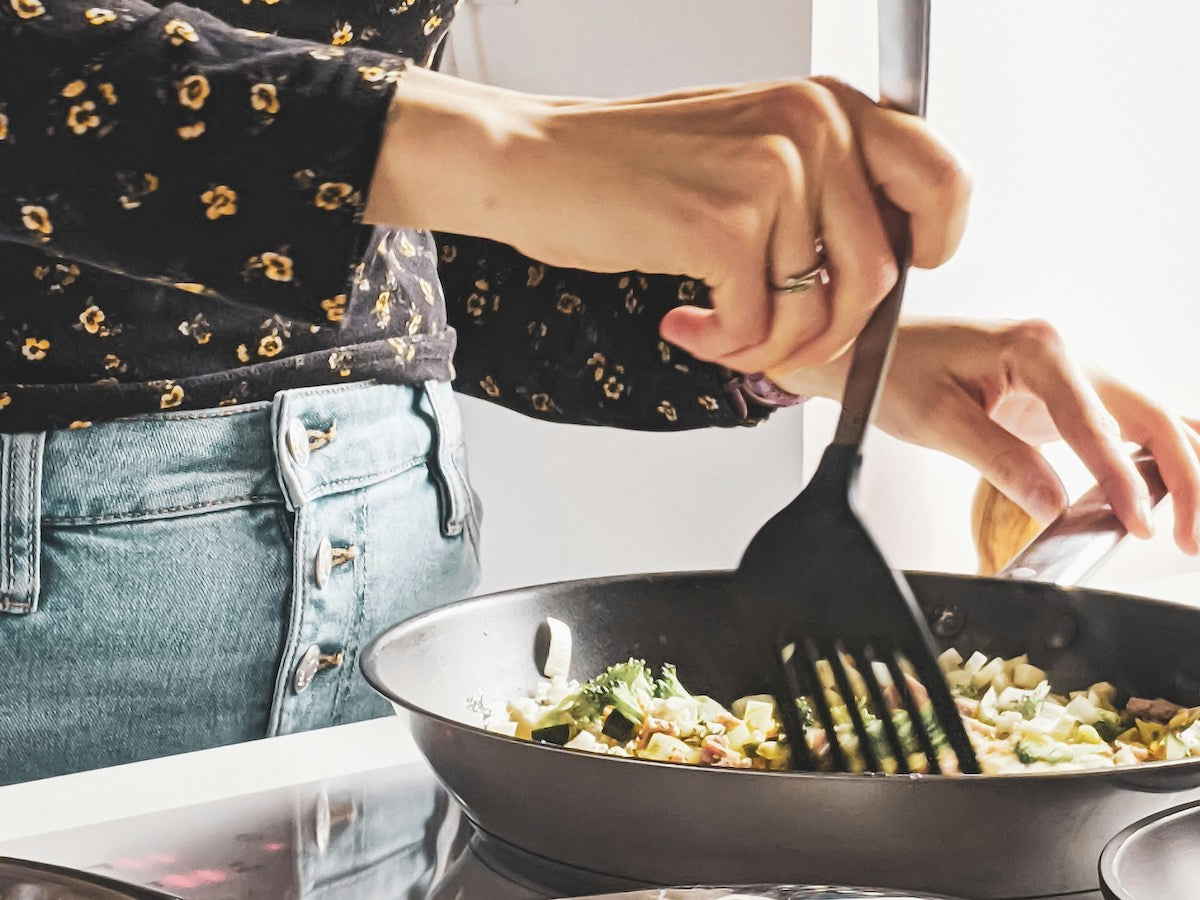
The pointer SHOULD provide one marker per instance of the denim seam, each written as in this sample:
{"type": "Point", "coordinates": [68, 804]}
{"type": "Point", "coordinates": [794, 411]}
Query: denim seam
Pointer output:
{"type": "Point", "coordinates": [237, 500]}
{"type": "Point", "coordinates": [29, 514]}
{"type": "Point", "coordinates": [226, 413]}
{"type": "Point", "coordinates": [360, 593]}
{"type": "Point", "coordinates": [366, 478]}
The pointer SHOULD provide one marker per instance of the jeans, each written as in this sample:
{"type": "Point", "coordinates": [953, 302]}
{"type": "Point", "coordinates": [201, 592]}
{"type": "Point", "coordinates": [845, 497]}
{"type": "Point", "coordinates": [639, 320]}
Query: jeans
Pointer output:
{"type": "Point", "coordinates": [185, 580]}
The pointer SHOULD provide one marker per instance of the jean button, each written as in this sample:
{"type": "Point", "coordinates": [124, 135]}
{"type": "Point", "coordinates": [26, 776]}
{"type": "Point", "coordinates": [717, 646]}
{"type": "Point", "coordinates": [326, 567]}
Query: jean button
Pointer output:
{"type": "Point", "coordinates": [323, 563]}
{"type": "Point", "coordinates": [296, 438]}
{"type": "Point", "coordinates": [306, 669]}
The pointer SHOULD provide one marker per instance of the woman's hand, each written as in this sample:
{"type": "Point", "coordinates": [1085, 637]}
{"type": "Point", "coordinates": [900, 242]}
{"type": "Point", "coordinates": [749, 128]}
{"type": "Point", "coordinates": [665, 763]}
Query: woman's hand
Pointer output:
{"type": "Point", "coordinates": [733, 186]}
{"type": "Point", "coordinates": [990, 392]}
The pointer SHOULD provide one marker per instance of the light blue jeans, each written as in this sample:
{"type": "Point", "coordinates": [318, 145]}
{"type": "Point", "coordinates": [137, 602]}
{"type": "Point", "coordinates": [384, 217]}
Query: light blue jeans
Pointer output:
{"type": "Point", "coordinates": [184, 580]}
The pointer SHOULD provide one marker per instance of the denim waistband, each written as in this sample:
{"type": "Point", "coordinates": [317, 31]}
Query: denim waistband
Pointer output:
{"type": "Point", "coordinates": [305, 444]}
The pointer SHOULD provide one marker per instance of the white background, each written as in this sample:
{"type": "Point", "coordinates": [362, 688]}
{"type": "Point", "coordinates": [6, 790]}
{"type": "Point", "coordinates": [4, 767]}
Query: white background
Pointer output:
{"type": "Point", "coordinates": [1078, 121]}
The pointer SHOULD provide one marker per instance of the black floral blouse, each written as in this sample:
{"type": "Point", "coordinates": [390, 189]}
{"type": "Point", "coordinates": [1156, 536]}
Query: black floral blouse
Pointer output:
{"type": "Point", "coordinates": [181, 191]}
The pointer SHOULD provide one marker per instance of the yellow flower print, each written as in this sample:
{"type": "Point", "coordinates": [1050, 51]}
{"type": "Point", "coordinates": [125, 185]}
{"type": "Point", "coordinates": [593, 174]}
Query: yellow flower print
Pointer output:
{"type": "Point", "coordinates": [568, 303]}
{"type": "Point", "coordinates": [221, 201]}
{"type": "Point", "coordinates": [198, 328]}
{"type": "Point", "coordinates": [111, 362]}
{"type": "Point", "coordinates": [327, 53]}
{"type": "Point", "coordinates": [137, 189]}
{"type": "Point", "coordinates": [277, 267]}
{"type": "Point", "coordinates": [536, 274]}
{"type": "Point", "coordinates": [4, 399]}
{"type": "Point", "coordinates": [79, 424]}
{"type": "Point", "coordinates": [668, 411]}
{"type": "Point", "coordinates": [540, 402]}
{"type": "Point", "coordinates": [404, 349]}
{"type": "Point", "coordinates": [407, 248]}
{"type": "Point", "coordinates": [343, 34]}
{"type": "Point", "coordinates": [448, 253]}
{"type": "Point", "coordinates": [339, 361]}
{"type": "Point", "coordinates": [331, 194]}
{"type": "Point", "coordinates": [37, 219]}
{"type": "Point", "coordinates": [243, 354]}
{"type": "Point", "coordinates": [335, 307]}
{"type": "Point", "coordinates": [687, 291]}
{"type": "Point", "coordinates": [664, 351]}
{"type": "Point", "coordinates": [490, 387]}
{"type": "Point", "coordinates": [3, 126]}
{"type": "Point", "coordinates": [108, 92]}
{"type": "Point", "coordinates": [709, 403]}
{"type": "Point", "coordinates": [192, 287]}
{"type": "Point", "coordinates": [92, 319]}
{"type": "Point", "coordinates": [270, 345]}
{"type": "Point", "coordinates": [188, 132]}
{"type": "Point", "coordinates": [372, 73]}
{"type": "Point", "coordinates": [265, 98]}
{"type": "Point", "coordinates": [193, 91]}
{"type": "Point", "coordinates": [73, 88]}
{"type": "Point", "coordinates": [426, 290]}
{"type": "Point", "coordinates": [34, 349]}
{"type": "Point", "coordinates": [613, 389]}
{"type": "Point", "coordinates": [180, 32]}
{"type": "Point", "coordinates": [383, 308]}
{"type": "Point", "coordinates": [27, 9]}
{"type": "Point", "coordinates": [98, 15]}
{"type": "Point", "coordinates": [476, 305]}
{"type": "Point", "coordinates": [82, 116]}
{"type": "Point", "coordinates": [431, 24]}
{"type": "Point", "coordinates": [172, 396]}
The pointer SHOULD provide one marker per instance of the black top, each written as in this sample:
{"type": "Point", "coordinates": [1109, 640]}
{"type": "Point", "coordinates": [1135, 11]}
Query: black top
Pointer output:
{"type": "Point", "coordinates": [181, 192]}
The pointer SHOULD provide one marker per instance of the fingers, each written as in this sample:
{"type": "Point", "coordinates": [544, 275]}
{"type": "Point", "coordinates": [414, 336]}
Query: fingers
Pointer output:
{"type": "Point", "coordinates": [1174, 444]}
{"type": "Point", "coordinates": [1037, 358]}
{"type": "Point", "coordinates": [958, 425]}
{"type": "Point", "coordinates": [915, 168]}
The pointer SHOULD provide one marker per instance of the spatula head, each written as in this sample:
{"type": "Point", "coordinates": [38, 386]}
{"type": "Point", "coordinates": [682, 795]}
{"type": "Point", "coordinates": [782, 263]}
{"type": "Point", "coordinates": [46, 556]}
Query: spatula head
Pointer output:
{"type": "Point", "coordinates": [818, 595]}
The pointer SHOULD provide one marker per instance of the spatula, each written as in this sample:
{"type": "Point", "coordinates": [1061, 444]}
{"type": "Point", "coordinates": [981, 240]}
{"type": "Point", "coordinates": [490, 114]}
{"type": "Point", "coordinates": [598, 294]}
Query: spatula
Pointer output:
{"type": "Point", "coordinates": [841, 623]}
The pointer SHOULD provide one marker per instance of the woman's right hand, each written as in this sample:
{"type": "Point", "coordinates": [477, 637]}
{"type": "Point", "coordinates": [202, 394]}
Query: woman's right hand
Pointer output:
{"type": "Point", "coordinates": [734, 186]}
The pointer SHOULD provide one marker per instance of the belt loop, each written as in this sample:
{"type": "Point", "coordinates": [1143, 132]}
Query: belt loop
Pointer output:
{"type": "Point", "coordinates": [447, 441]}
{"type": "Point", "coordinates": [21, 521]}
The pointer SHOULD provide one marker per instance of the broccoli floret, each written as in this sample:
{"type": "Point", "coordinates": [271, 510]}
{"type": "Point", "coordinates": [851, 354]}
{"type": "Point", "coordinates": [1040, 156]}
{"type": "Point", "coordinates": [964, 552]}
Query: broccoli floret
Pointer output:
{"type": "Point", "coordinates": [621, 686]}
{"type": "Point", "coordinates": [668, 685]}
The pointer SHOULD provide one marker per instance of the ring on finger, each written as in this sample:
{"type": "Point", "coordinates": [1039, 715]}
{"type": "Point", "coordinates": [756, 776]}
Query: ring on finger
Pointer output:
{"type": "Point", "coordinates": [803, 281]}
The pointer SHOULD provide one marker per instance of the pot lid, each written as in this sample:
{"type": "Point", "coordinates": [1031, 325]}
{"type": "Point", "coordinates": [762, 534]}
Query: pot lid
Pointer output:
{"type": "Point", "coordinates": [1155, 858]}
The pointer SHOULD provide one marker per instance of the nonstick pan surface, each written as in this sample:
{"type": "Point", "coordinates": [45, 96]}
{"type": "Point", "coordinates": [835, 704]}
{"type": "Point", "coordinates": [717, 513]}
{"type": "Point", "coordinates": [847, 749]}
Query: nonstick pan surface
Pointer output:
{"type": "Point", "coordinates": [974, 836]}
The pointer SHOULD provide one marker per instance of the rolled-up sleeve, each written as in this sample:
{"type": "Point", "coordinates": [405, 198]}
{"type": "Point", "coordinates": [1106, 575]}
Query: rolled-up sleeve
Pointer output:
{"type": "Point", "coordinates": [172, 147]}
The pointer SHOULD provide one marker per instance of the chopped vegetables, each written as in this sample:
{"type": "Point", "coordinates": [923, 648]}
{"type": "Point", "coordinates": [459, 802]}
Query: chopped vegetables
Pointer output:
{"type": "Point", "coordinates": [1014, 720]}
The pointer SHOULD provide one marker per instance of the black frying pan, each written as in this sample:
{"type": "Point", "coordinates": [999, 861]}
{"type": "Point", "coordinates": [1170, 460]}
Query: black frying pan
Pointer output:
{"type": "Point", "coordinates": [976, 836]}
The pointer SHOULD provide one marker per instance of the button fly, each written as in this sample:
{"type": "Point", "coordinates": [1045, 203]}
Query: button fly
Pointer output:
{"type": "Point", "coordinates": [312, 662]}
{"type": "Point", "coordinates": [323, 563]}
{"type": "Point", "coordinates": [296, 438]}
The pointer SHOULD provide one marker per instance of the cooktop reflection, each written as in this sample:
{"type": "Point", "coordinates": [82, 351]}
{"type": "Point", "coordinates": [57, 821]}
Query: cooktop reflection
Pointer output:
{"type": "Point", "coordinates": [388, 833]}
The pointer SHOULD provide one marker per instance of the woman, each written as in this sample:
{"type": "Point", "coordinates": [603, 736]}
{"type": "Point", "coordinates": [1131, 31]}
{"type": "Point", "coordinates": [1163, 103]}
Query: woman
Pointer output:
{"type": "Point", "coordinates": [230, 451]}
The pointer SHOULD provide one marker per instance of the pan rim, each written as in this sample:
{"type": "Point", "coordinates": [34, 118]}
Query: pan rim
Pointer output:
{"type": "Point", "coordinates": [371, 653]}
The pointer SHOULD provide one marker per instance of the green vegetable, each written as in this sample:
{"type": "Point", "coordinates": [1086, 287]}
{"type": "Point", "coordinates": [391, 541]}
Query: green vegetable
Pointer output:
{"type": "Point", "coordinates": [668, 685]}
{"type": "Point", "coordinates": [618, 727]}
{"type": "Point", "coordinates": [552, 734]}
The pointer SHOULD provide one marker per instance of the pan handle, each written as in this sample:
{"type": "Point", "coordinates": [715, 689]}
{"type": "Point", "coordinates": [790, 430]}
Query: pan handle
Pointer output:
{"type": "Point", "coordinates": [1082, 537]}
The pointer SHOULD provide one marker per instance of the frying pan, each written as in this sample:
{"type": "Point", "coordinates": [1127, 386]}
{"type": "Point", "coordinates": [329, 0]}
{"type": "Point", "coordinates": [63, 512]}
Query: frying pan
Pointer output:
{"type": "Point", "coordinates": [1009, 836]}
{"type": "Point", "coordinates": [1154, 859]}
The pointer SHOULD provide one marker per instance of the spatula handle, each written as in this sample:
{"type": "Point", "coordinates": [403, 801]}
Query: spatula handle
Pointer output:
{"type": "Point", "coordinates": [1082, 537]}
{"type": "Point", "coordinates": [903, 80]}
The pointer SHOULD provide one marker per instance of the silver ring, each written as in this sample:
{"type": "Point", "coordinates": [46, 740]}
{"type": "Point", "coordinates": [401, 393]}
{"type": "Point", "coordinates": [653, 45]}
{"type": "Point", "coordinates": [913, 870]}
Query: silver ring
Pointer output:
{"type": "Point", "coordinates": [803, 281]}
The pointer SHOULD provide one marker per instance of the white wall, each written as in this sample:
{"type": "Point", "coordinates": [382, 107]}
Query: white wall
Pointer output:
{"type": "Point", "coordinates": [1078, 120]}
{"type": "Point", "coordinates": [567, 501]}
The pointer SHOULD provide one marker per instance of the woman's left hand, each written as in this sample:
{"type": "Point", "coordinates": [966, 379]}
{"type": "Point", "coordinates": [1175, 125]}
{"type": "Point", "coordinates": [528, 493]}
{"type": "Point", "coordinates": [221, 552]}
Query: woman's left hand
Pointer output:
{"type": "Point", "coordinates": [991, 392]}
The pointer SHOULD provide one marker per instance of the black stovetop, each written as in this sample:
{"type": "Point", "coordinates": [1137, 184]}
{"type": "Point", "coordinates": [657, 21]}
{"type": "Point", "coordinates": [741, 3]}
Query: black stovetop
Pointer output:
{"type": "Point", "coordinates": [388, 833]}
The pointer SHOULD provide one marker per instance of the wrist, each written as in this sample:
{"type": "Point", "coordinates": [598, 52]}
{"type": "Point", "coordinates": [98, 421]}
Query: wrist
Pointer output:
{"type": "Point", "coordinates": [827, 380]}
